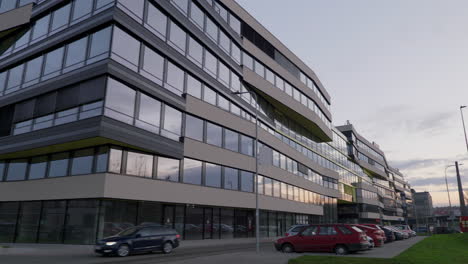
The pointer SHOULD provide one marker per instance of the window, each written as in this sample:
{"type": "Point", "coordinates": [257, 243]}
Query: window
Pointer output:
{"type": "Point", "coordinates": [168, 169]}
{"type": "Point", "coordinates": [82, 162]}
{"type": "Point", "coordinates": [177, 38]}
{"type": "Point", "coordinates": [175, 79]}
{"type": "Point", "coordinates": [270, 76]}
{"type": "Point", "coordinates": [209, 96]}
{"type": "Point", "coordinates": [211, 29]}
{"type": "Point", "coordinates": [125, 49]}
{"type": "Point", "coordinates": [231, 140]}
{"type": "Point", "coordinates": [211, 63]}
{"type": "Point", "coordinates": [53, 62]}
{"type": "Point", "coordinates": [260, 69]}
{"type": "Point", "coordinates": [344, 230]}
{"type": "Point", "coordinates": [139, 164]}
{"type": "Point", "coordinates": [15, 77]}
{"type": "Point", "coordinates": [235, 24]}
{"type": "Point", "coordinates": [276, 188]}
{"type": "Point", "coordinates": [7, 5]}
{"type": "Point", "coordinates": [260, 184]}
{"type": "Point", "coordinates": [60, 18]}
{"type": "Point", "coordinates": [310, 231]}
{"type": "Point", "coordinates": [224, 74]}
{"type": "Point", "coordinates": [194, 87]}
{"type": "Point", "coordinates": [236, 53]}
{"type": "Point", "coordinates": [182, 5]}
{"type": "Point", "coordinates": [149, 115]}
{"type": "Point", "coordinates": [213, 175]}
{"type": "Point", "coordinates": [193, 127]}
{"type": "Point", "coordinates": [197, 15]}
{"type": "Point", "coordinates": [327, 230]}
{"type": "Point", "coordinates": [100, 43]}
{"type": "Point", "coordinates": [2, 81]}
{"type": "Point", "coordinates": [153, 66]}
{"type": "Point", "coordinates": [115, 160]}
{"type": "Point", "coordinates": [268, 186]}
{"type": "Point", "coordinates": [223, 103]}
{"type": "Point", "coordinates": [247, 179]}
{"type": "Point", "coordinates": [247, 61]}
{"type": "Point", "coordinates": [101, 159]}
{"type": "Point", "coordinates": [59, 165]}
{"type": "Point", "coordinates": [246, 145]}
{"type": "Point", "coordinates": [37, 168]}
{"type": "Point", "coordinates": [276, 158]}
{"type": "Point", "coordinates": [120, 101]}
{"type": "Point", "coordinates": [195, 52]}
{"type": "Point", "coordinates": [40, 28]}
{"type": "Point", "coordinates": [82, 8]}
{"type": "Point", "coordinates": [76, 53]}
{"type": "Point", "coordinates": [290, 192]}
{"type": "Point", "coordinates": [17, 170]}
{"type": "Point", "coordinates": [33, 71]}
{"type": "Point", "coordinates": [192, 171]}
{"type": "Point", "coordinates": [231, 179]}
{"type": "Point", "coordinates": [225, 42]}
{"type": "Point", "coordinates": [284, 190]}
{"type": "Point", "coordinates": [156, 21]}
{"type": "Point", "coordinates": [214, 134]}
{"type": "Point", "coordinates": [172, 123]}
{"type": "Point", "coordinates": [134, 8]}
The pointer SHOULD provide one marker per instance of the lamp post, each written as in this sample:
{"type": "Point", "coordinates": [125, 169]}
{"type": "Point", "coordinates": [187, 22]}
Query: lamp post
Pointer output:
{"type": "Point", "coordinates": [257, 210]}
{"type": "Point", "coordinates": [448, 192]}
{"type": "Point", "coordinates": [463, 122]}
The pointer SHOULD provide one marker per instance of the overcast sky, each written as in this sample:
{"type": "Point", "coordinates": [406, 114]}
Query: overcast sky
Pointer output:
{"type": "Point", "coordinates": [398, 70]}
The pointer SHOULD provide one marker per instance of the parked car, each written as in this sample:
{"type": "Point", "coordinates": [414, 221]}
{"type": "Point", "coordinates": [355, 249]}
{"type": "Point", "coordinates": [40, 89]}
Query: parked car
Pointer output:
{"type": "Point", "coordinates": [389, 234]}
{"type": "Point", "coordinates": [338, 238]}
{"type": "Point", "coordinates": [374, 233]}
{"type": "Point", "coordinates": [378, 227]}
{"type": "Point", "coordinates": [421, 229]}
{"type": "Point", "coordinates": [138, 239]}
{"type": "Point", "coordinates": [294, 229]}
{"type": "Point", "coordinates": [406, 229]}
{"type": "Point", "coordinates": [371, 242]}
{"type": "Point", "coordinates": [398, 233]}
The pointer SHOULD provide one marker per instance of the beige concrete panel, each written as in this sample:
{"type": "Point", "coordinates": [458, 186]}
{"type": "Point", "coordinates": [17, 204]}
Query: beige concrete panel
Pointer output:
{"type": "Point", "coordinates": [15, 17]}
{"type": "Point", "coordinates": [369, 215]}
{"type": "Point", "coordinates": [367, 201]}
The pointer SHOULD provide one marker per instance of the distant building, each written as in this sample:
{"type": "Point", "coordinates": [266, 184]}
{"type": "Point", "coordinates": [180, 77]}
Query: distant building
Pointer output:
{"type": "Point", "coordinates": [423, 204]}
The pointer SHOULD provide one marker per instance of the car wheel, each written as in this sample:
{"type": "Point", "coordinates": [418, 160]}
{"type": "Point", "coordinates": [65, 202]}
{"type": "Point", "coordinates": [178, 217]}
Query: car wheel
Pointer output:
{"type": "Point", "coordinates": [341, 250]}
{"type": "Point", "coordinates": [167, 248]}
{"type": "Point", "coordinates": [287, 248]}
{"type": "Point", "coordinates": [123, 250]}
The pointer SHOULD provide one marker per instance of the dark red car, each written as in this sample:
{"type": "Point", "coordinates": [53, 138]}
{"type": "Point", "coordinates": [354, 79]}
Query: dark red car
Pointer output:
{"type": "Point", "coordinates": [338, 238]}
{"type": "Point", "coordinates": [374, 233]}
{"type": "Point", "coordinates": [382, 232]}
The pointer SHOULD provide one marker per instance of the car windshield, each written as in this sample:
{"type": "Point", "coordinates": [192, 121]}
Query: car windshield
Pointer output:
{"type": "Point", "coordinates": [128, 231]}
{"type": "Point", "coordinates": [357, 229]}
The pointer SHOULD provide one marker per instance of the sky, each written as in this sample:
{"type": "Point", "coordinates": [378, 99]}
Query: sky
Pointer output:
{"type": "Point", "coordinates": [397, 70]}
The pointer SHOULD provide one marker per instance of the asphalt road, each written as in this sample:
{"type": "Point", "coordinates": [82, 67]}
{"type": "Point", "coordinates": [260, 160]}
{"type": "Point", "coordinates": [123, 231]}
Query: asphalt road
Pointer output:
{"type": "Point", "coordinates": [216, 252]}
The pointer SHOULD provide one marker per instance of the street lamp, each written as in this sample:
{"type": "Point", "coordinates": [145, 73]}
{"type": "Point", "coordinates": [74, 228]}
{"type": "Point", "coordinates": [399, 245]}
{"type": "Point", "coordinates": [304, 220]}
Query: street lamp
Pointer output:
{"type": "Point", "coordinates": [463, 122]}
{"type": "Point", "coordinates": [257, 211]}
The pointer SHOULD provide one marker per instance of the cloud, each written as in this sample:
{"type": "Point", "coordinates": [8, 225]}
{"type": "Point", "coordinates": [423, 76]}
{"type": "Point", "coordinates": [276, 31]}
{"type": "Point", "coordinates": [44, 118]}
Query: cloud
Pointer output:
{"type": "Point", "coordinates": [417, 163]}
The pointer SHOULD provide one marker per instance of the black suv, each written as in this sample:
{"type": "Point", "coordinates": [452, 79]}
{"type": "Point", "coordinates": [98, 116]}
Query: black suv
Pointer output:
{"type": "Point", "coordinates": [145, 238]}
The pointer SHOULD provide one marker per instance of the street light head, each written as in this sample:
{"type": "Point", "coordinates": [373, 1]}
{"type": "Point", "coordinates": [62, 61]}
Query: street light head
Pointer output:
{"type": "Point", "coordinates": [462, 106]}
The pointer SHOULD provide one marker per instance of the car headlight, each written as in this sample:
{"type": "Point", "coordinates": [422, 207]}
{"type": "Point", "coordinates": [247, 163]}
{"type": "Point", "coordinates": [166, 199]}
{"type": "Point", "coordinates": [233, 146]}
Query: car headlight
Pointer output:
{"type": "Point", "coordinates": [110, 243]}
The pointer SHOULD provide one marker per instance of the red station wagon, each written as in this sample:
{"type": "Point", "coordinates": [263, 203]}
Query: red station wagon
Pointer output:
{"type": "Point", "coordinates": [374, 233]}
{"type": "Point", "coordinates": [338, 238]}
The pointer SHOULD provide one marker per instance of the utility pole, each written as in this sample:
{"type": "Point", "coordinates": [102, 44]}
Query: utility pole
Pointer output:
{"type": "Point", "coordinates": [460, 191]}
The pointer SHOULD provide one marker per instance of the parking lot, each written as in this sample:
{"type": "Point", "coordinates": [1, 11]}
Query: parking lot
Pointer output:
{"type": "Point", "coordinates": [207, 251]}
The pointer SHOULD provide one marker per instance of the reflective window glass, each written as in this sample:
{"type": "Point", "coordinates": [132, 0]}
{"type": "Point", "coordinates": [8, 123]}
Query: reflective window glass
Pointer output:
{"type": "Point", "coordinates": [211, 29]}
{"type": "Point", "coordinates": [76, 53]}
{"type": "Point", "coordinates": [213, 175]}
{"type": "Point", "coordinates": [193, 127]}
{"type": "Point", "coordinates": [21, 42]}
{"type": "Point", "coordinates": [195, 51]}
{"type": "Point", "coordinates": [17, 170]}
{"type": "Point", "coordinates": [174, 79]}
{"type": "Point", "coordinates": [135, 7]}
{"type": "Point", "coordinates": [235, 24]}
{"type": "Point", "coordinates": [15, 76]}
{"type": "Point", "coordinates": [139, 164]}
{"type": "Point", "coordinates": [236, 53]}
{"type": "Point", "coordinates": [121, 100]}
{"type": "Point", "coordinates": [182, 5]}
{"type": "Point", "coordinates": [246, 145]}
{"type": "Point", "coordinates": [177, 37]}
{"type": "Point", "coordinates": [172, 122]}
{"type": "Point", "coordinates": [194, 87]}
{"type": "Point", "coordinates": [260, 184]}
{"type": "Point", "coordinates": [115, 160]}
{"type": "Point", "coordinates": [231, 179]}
{"type": "Point", "coordinates": [276, 188]}
{"type": "Point", "coordinates": [168, 169]}
{"type": "Point", "coordinates": [260, 69]}
{"type": "Point", "coordinates": [211, 63]}
{"type": "Point", "coordinates": [37, 167]}
{"type": "Point", "coordinates": [224, 74]}
{"type": "Point", "coordinates": [214, 134]}
{"type": "Point", "coordinates": [268, 186]}
{"type": "Point", "coordinates": [209, 96]}
{"type": "Point", "coordinates": [149, 114]}
{"type": "Point", "coordinates": [40, 28]}
{"type": "Point", "coordinates": [59, 164]}
{"type": "Point", "coordinates": [7, 5]}
{"type": "Point", "coordinates": [247, 179]}
{"type": "Point", "coordinates": [82, 162]}
{"type": "Point", "coordinates": [81, 8]}
{"type": "Point", "coordinates": [231, 140]}
{"type": "Point", "coordinates": [60, 17]}
{"type": "Point", "coordinates": [100, 43]}
{"type": "Point", "coordinates": [33, 71]}
{"type": "Point", "coordinates": [225, 42]}
{"type": "Point", "coordinates": [53, 61]}
{"type": "Point", "coordinates": [192, 171]}
{"type": "Point", "coordinates": [223, 103]}
{"type": "Point", "coordinates": [126, 48]}
{"type": "Point", "coordinates": [156, 21]}
{"type": "Point", "coordinates": [102, 3]}
{"type": "Point", "coordinates": [102, 157]}
{"type": "Point", "coordinates": [2, 169]}
{"type": "Point", "coordinates": [197, 15]}
{"type": "Point", "coordinates": [153, 63]}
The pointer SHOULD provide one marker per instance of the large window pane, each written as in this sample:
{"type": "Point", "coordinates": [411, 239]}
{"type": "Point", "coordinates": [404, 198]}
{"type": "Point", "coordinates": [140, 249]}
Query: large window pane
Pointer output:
{"type": "Point", "coordinates": [120, 101]}
{"type": "Point", "coordinates": [134, 8]}
{"type": "Point", "coordinates": [231, 179]}
{"type": "Point", "coordinates": [195, 52]}
{"type": "Point", "coordinates": [100, 43]}
{"type": "Point", "coordinates": [28, 223]}
{"type": "Point", "coordinates": [7, 5]}
{"type": "Point", "coordinates": [193, 223]}
{"type": "Point", "coordinates": [214, 134]}
{"type": "Point", "coordinates": [156, 21]}
{"type": "Point", "coordinates": [276, 188]}
{"type": "Point", "coordinates": [52, 221]}
{"type": "Point", "coordinates": [76, 54]}
{"type": "Point", "coordinates": [211, 29]}
{"type": "Point", "coordinates": [246, 145]}
{"type": "Point", "coordinates": [2, 169]}
{"type": "Point", "coordinates": [15, 77]}
{"type": "Point", "coordinates": [59, 165]}
{"type": "Point", "coordinates": [41, 28]}
{"type": "Point", "coordinates": [149, 115]}
{"type": "Point", "coordinates": [153, 64]}
{"type": "Point", "coordinates": [224, 74]}
{"type": "Point", "coordinates": [227, 223]}
{"type": "Point", "coordinates": [126, 48]}
{"type": "Point", "coordinates": [213, 175]}
{"type": "Point", "coordinates": [211, 63]}
{"type": "Point", "coordinates": [82, 8]}
{"type": "Point", "coordinates": [38, 167]}
{"type": "Point", "coordinates": [247, 180]}
{"type": "Point", "coordinates": [260, 184]}
{"type": "Point", "coordinates": [175, 79]}
{"type": "Point", "coordinates": [17, 170]}
{"type": "Point", "coordinates": [209, 96]}
{"type": "Point", "coordinates": [82, 162]}
{"type": "Point", "coordinates": [102, 157]}
{"type": "Point", "coordinates": [33, 71]}
{"type": "Point", "coordinates": [225, 42]}
{"type": "Point", "coordinates": [115, 160]}
{"type": "Point", "coordinates": [60, 18]}
{"type": "Point", "coordinates": [8, 216]}
{"type": "Point", "coordinates": [168, 169]}
{"type": "Point", "coordinates": [172, 123]}
{"type": "Point", "coordinates": [194, 87]}
{"type": "Point", "coordinates": [82, 219]}
{"type": "Point", "coordinates": [139, 164]}
{"type": "Point", "coordinates": [182, 5]}
{"type": "Point", "coordinates": [268, 186]}
{"type": "Point", "coordinates": [231, 140]}
{"type": "Point", "coordinates": [116, 216]}
{"type": "Point", "coordinates": [193, 127]}
{"type": "Point", "coordinates": [192, 171]}
{"type": "Point", "coordinates": [177, 38]}
{"type": "Point", "coordinates": [53, 63]}
{"type": "Point", "coordinates": [2, 81]}
{"type": "Point", "coordinates": [197, 15]}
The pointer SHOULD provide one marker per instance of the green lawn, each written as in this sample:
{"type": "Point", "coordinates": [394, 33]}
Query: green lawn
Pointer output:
{"type": "Point", "coordinates": [437, 249]}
